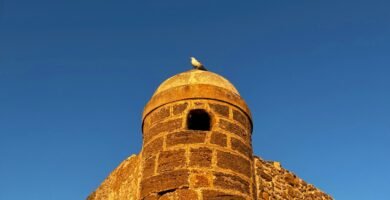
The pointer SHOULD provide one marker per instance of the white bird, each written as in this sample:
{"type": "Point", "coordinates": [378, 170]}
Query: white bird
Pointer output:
{"type": "Point", "coordinates": [197, 65]}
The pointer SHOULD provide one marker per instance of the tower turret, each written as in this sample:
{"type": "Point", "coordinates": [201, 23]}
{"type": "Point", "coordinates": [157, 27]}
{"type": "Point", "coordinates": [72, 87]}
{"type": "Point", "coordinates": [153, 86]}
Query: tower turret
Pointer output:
{"type": "Point", "coordinates": [197, 140]}
{"type": "Point", "coordinates": [197, 146]}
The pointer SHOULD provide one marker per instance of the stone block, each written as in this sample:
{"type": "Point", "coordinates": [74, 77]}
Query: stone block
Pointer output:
{"type": "Point", "coordinates": [167, 126]}
{"type": "Point", "coordinates": [159, 115]}
{"type": "Point", "coordinates": [241, 118]}
{"type": "Point", "coordinates": [265, 196]}
{"type": "Point", "coordinates": [169, 160]}
{"type": "Point", "coordinates": [164, 182]}
{"type": "Point", "coordinates": [220, 109]}
{"type": "Point", "coordinates": [233, 162]}
{"type": "Point", "coordinates": [241, 147]}
{"type": "Point", "coordinates": [291, 179]}
{"type": "Point", "coordinates": [186, 194]}
{"type": "Point", "coordinates": [179, 108]}
{"type": "Point", "coordinates": [200, 180]}
{"type": "Point", "coordinates": [218, 139]}
{"type": "Point", "coordinates": [149, 167]}
{"type": "Point", "coordinates": [235, 129]}
{"type": "Point", "coordinates": [201, 157]}
{"type": "Point", "coordinates": [232, 182]}
{"type": "Point", "coordinates": [167, 196]}
{"type": "Point", "coordinates": [153, 147]}
{"type": "Point", "coordinates": [186, 137]}
{"type": "Point", "coordinates": [264, 176]}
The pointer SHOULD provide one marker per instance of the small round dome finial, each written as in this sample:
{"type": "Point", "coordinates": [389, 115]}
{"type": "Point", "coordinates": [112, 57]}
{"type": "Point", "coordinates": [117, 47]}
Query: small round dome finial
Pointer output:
{"type": "Point", "coordinates": [196, 77]}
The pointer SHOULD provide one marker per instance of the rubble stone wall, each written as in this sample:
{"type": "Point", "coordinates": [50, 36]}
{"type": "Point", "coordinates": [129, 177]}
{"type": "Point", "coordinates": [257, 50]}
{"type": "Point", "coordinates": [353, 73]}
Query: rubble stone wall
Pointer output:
{"type": "Point", "coordinates": [122, 183]}
{"type": "Point", "coordinates": [275, 182]}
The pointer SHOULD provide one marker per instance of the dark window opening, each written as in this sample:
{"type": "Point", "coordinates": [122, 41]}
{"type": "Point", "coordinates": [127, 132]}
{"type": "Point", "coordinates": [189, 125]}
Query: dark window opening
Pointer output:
{"type": "Point", "coordinates": [198, 120]}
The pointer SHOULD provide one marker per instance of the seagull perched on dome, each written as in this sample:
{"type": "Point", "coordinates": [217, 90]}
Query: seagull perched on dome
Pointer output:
{"type": "Point", "coordinates": [197, 65]}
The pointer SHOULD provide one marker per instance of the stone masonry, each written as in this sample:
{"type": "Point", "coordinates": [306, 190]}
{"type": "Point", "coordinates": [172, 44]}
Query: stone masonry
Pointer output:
{"type": "Point", "coordinates": [195, 160]}
{"type": "Point", "coordinates": [211, 162]}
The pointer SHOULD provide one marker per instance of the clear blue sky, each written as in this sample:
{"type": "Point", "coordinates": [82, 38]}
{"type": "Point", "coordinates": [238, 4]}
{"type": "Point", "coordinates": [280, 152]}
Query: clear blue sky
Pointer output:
{"type": "Point", "coordinates": [75, 75]}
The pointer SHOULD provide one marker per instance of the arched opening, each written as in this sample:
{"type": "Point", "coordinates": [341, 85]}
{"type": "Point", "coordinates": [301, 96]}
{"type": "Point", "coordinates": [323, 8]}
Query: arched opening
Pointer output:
{"type": "Point", "coordinates": [198, 119]}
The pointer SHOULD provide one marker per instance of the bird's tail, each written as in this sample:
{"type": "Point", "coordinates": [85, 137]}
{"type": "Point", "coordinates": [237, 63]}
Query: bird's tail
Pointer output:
{"type": "Point", "coordinates": [202, 68]}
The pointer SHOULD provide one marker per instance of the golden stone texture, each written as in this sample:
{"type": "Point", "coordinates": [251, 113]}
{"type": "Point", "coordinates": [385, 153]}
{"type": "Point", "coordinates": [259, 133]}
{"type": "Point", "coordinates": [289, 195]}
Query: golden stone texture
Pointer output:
{"type": "Point", "coordinates": [196, 77]}
{"type": "Point", "coordinates": [121, 183]}
{"type": "Point", "coordinates": [177, 162]}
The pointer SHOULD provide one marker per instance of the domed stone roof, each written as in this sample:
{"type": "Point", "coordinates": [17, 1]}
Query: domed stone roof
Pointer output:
{"type": "Point", "coordinates": [195, 77]}
{"type": "Point", "coordinates": [195, 84]}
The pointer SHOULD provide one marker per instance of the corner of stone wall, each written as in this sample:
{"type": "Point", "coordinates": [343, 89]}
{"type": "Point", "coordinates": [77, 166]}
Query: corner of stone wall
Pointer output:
{"type": "Point", "coordinates": [275, 182]}
{"type": "Point", "coordinates": [122, 183]}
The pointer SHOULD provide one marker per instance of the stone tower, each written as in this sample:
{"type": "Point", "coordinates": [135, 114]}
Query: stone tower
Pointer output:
{"type": "Point", "coordinates": [197, 139]}
{"type": "Point", "coordinates": [197, 146]}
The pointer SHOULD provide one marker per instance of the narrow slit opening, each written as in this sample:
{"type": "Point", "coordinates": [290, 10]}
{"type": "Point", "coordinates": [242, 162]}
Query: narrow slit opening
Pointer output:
{"type": "Point", "coordinates": [165, 192]}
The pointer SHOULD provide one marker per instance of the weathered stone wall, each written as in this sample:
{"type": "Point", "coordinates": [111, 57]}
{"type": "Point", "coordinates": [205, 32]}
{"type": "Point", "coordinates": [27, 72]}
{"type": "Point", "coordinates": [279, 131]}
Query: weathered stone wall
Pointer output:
{"type": "Point", "coordinates": [275, 182]}
{"type": "Point", "coordinates": [179, 161]}
{"type": "Point", "coordinates": [190, 164]}
{"type": "Point", "coordinates": [122, 183]}
{"type": "Point", "coordinates": [272, 183]}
